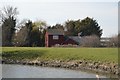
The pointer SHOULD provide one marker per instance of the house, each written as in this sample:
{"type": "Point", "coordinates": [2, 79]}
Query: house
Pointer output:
{"type": "Point", "coordinates": [105, 42]}
{"type": "Point", "coordinates": [53, 37]}
{"type": "Point", "coordinates": [56, 37]}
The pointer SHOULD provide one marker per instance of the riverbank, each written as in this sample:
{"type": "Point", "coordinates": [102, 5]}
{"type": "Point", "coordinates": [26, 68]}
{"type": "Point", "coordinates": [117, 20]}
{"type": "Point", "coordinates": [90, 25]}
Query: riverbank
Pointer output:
{"type": "Point", "coordinates": [94, 59]}
{"type": "Point", "coordinates": [77, 65]}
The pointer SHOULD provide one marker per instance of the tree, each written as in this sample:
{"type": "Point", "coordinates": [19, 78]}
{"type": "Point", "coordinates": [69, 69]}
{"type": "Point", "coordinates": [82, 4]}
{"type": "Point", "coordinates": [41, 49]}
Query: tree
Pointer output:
{"type": "Point", "coordinates": [114, 41]}
{"type": "Point", "coordinates": [30, 34]}
{"type": "Point", "coordinates": [8, 29]}
{"type": "Point", "coordinates": [8, 21]}
{"type": "Point", "coordinates": [90, 27]}
{"type": "Point", "coordinates": [90, 41]}
{"type": "Point", "coordinates": [23, 36]}
{"type": "Point", "coordinates": [35, 37]}
{"type": "Point", "coordinates": [42, 38]}
{"type": "Point", "coordinates": [58, 26]}
{"type": "Point", "coordinates": [38, 33]}
{"type": "Point", "coordinates": [86, 27]}
{"type": "Point", "coordinates": [71, 28]}
{"type": "Point", "coordinates": [40, 24]}
{"type": "Point", "coordinates": [8, 11]}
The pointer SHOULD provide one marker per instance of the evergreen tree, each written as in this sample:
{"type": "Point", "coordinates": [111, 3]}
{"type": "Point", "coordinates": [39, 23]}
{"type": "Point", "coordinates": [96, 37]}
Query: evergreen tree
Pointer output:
{"type": "Point", "coordinates": [8, 20]}
{"type": "Point", "coordinates": [86, 27]}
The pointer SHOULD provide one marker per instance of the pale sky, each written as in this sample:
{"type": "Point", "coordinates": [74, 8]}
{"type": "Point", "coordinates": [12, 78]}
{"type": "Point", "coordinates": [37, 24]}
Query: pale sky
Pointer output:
{"type": "Point", "coordinates": [52, 11]}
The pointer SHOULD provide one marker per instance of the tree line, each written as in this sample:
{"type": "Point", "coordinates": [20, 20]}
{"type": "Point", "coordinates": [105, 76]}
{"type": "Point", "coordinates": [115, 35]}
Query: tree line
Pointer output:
{"type": "Point", "coordinates": [29, 33]}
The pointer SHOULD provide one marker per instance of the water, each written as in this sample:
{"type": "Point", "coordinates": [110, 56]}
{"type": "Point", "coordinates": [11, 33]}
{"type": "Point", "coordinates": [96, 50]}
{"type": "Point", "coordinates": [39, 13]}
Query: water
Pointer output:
{"type": "Point", "coordinates": [25, 71]}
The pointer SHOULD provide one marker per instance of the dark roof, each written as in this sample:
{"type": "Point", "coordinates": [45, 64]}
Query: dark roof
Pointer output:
{"type": "Point", "coordinates": [76, 39]}
{"type": "Point", "coordinates": [55, 31]}
{"type": "Point", "coordinates": [67, 41]}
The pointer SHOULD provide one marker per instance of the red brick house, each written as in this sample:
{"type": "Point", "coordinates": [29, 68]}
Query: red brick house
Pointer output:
{"type": "Point", "coordinates": [56, 37]}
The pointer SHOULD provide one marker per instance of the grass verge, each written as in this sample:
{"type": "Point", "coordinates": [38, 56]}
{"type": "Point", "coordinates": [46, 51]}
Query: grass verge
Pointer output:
{"type": "Point", "coordinates": [32, 53]}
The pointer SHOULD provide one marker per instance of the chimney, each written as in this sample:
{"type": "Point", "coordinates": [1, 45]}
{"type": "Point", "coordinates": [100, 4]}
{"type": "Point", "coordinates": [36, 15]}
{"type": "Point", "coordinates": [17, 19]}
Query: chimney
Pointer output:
{"type": "Point", "coordinates": [79, 34]}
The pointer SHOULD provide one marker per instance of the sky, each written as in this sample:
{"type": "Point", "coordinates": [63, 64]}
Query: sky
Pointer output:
{"type": "Point", "coordinates": [59, 11]}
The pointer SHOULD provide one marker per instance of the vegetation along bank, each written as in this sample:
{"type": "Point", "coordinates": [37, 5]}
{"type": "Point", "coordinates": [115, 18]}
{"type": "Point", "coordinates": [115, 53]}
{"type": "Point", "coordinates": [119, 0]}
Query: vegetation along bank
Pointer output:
{"type": "Point", "coordinates": [94, 59]}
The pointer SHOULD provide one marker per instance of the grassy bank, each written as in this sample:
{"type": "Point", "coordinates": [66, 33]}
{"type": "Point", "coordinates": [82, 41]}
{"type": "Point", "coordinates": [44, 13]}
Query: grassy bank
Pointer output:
{"type": "Point", "coordinates": [93, 54]}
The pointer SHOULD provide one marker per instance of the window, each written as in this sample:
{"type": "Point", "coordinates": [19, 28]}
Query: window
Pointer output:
{"type": "Point", "coordinates": [55, 37]}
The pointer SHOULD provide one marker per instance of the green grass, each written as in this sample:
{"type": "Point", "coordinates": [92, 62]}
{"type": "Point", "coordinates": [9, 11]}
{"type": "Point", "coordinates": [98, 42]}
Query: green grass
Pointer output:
{"type": "Point", "coordinates": [94, 54]}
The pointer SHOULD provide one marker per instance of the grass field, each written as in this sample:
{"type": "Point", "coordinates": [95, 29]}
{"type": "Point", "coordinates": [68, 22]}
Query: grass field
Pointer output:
{"type": "Point", "coordinates": [94, 54]}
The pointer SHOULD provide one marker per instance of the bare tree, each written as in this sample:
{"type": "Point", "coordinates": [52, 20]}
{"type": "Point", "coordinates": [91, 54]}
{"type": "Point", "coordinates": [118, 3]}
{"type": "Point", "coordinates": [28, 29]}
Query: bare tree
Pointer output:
{"type": "Point", "coordinates": [90, 41]}
{"type": "Point", "coordinates": [8, 11]}
{"type": "Point", "coordinates": [114, 41]}
{"type": "Point", "coordinates": [22, 37]}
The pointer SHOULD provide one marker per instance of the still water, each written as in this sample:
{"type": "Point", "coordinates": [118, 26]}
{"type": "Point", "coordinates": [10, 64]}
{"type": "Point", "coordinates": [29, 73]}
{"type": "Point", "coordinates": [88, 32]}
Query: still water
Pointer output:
{"type": "Point", "coordinates": [25, 71]}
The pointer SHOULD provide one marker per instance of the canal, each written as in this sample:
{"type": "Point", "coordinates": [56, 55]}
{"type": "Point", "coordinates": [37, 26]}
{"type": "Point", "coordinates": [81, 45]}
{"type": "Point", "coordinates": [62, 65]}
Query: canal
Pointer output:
{"type": "Point", "coordinates": [25, 71]}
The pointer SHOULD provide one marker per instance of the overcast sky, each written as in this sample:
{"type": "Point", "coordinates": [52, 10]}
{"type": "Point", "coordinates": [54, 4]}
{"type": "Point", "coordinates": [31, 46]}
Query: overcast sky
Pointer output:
{"type": "Point", "coordinates": [51, 11]}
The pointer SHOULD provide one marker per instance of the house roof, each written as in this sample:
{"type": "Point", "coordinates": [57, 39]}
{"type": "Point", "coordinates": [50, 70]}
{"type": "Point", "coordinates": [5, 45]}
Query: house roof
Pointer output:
{"type": "Point", "coordinates": [76, 39]}
{"type": "Point", "coordinates": [67, 41]}
{"type": "Point", "coordinates": [55, 31]}
{"type": "Point", "coordinates": [104, 39]}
